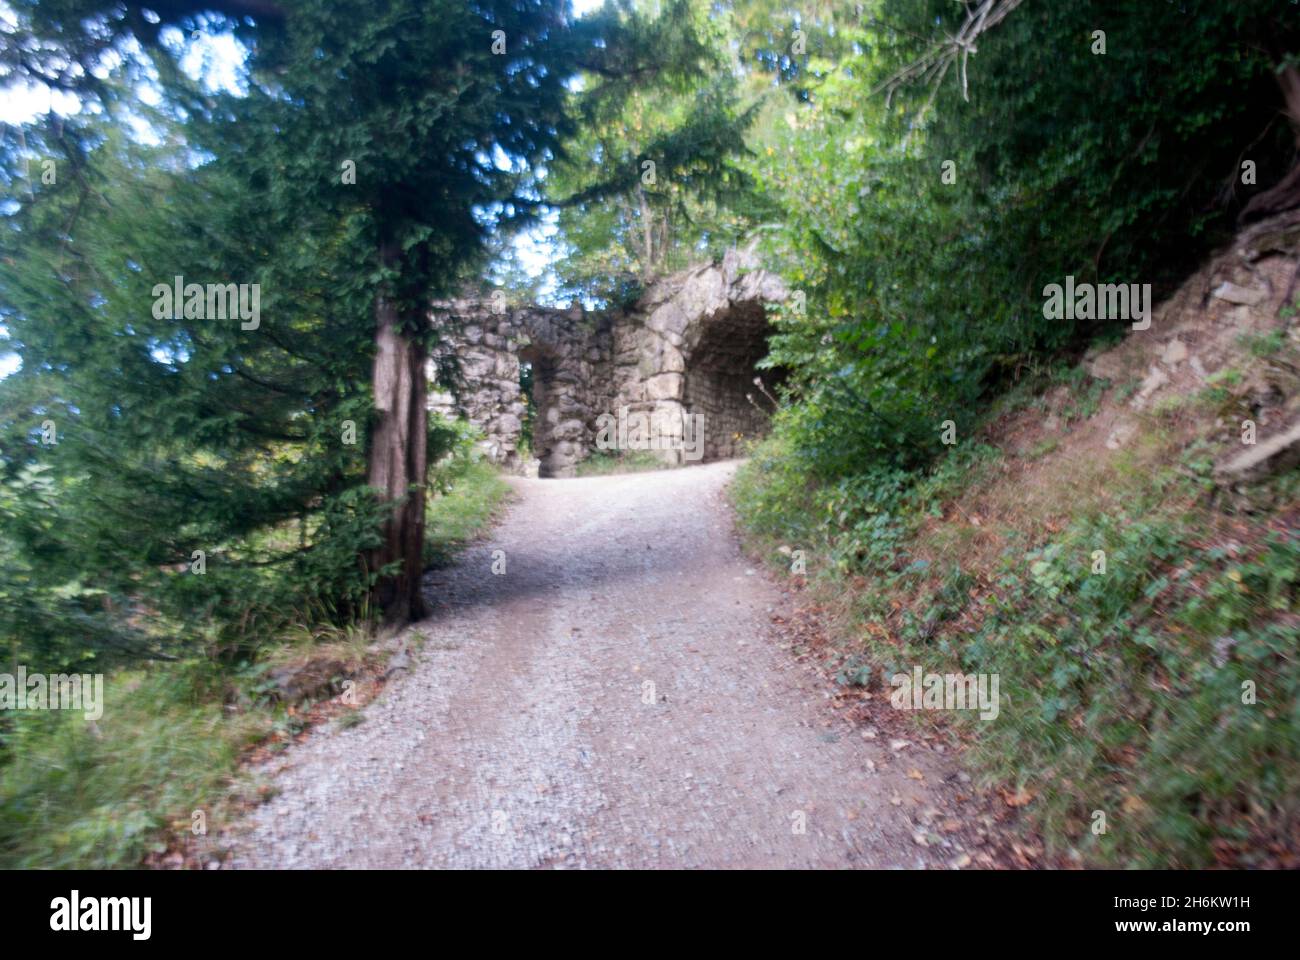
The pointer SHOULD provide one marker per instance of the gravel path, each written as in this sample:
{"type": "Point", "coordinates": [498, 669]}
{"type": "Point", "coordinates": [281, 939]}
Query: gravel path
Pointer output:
{"type": "Point", "coordinates": [616, 698]}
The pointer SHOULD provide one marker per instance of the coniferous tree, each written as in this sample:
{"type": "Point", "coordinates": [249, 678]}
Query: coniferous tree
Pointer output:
{"type": "Point", "coordinates": [358, 178]}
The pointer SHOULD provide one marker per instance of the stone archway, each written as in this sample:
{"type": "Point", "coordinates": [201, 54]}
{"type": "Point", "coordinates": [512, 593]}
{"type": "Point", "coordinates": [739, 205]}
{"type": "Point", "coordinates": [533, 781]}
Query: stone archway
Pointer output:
{"type": "Point", "coordinates": [695, 338]}
{"type": "Point", "coordinates": [686, 347]}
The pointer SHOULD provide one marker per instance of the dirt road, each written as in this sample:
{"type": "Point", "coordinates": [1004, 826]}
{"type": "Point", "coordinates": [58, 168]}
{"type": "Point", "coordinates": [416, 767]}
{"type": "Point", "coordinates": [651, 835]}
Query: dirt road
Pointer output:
{"type": "Point", "coordinates": [615, 698]}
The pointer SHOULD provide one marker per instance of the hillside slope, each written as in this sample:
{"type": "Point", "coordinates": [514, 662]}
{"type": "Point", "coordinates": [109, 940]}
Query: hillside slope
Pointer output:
{"type": "Point", "coordinates": [1119, 544]}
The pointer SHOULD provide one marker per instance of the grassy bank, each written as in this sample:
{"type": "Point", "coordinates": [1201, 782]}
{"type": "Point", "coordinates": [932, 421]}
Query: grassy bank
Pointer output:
{"type": "Point", "coordinates": [1143, 626]}
{"type": "Point", "coordinates": [471, 495]}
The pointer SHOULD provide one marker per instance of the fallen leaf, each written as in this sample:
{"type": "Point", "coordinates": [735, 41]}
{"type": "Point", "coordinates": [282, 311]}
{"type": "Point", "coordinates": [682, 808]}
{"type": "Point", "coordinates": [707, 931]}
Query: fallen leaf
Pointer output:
{"type": "Point", "coordinates": [1018, 799]}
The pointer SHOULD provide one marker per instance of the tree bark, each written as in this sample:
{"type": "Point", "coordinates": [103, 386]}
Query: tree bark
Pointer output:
{"type": "Point", "coordinates": [398, 456]}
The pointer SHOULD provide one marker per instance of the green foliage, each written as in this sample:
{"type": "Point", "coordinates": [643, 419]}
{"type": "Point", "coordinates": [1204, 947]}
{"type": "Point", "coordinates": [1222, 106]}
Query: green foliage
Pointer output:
{"type": "Point", "coordinates": [861, 523]}
{"type": "Point", "coordinates": [103, 796]}
{"type": "Point", "coordinates": [924, 291]}
{"type": "Point", "coordinates": [51, 612]}
{"type": "Point", "coordinates": [1127, 688]}
{"type": "Point", "coordinates": [466, 491]}
{"type": "Point", "coordinates": [648, 183]}
{"type": "Point", "coordinates": [604, 462]}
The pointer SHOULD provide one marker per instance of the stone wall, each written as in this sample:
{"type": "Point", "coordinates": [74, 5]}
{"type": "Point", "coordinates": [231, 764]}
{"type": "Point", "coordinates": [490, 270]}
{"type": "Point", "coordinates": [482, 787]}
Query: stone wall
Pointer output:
{"type": "Point", "coordinates": [688, 346]}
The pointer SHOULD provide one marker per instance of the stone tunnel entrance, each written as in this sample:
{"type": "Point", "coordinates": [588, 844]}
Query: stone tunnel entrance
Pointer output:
{"type": "Point", "coordinates": [719, 382]}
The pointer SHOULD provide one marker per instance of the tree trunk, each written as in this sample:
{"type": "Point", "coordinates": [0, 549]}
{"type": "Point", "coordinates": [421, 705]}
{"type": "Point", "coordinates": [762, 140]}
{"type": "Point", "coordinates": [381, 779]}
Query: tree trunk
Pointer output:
{"type": "Point", "coordinates": [1285, 194]}
{"type": "Point", "coordinates": [398, 457]}
{"type": "Point", "coordinates": [647, 226]}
